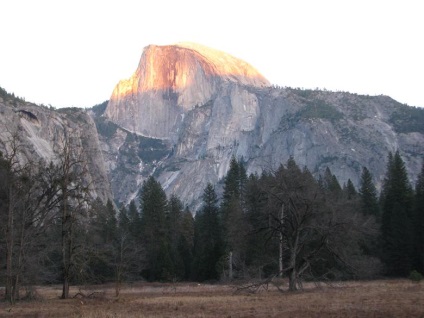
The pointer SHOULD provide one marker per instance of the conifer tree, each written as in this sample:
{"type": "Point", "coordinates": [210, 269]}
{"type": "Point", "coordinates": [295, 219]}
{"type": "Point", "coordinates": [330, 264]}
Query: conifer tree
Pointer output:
{"type": "Point", "coordinates": [104, 235]}
{"type": "Point", "coordinates": [174, 223]}
{"type": "Point", "coordinates": [123, 220]}
{"type": "Point", "coordinates": [233, 216]}
{"type": "Point", "coordinates": [396, 219]}
{"type": "Point", "coordinates": [260, 251]}
{"type": "Point", "coordinates": [350, 190]}
{"type": "Point", "coordinates": [208, 244]}
{"type": "Point", "coordinates": [368, 194]}
{"type": "Point", "coordinates": [126, 259]}
{"type": "Point", "coordinates": [330, 183]}
{"type": "Point", "coordinates": [418, 219]}
{"type": "Point", "coordinates": [134, 218]}
{"type": "Point", "coordinates": [108, 223]}
{"type": "Point", "coordinates": [185, 243]}
{"type": "Point", "coordinates": [154, 209]}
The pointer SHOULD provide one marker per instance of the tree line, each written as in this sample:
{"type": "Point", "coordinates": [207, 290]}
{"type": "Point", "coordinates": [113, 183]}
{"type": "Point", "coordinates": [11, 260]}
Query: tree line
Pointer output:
{"type": "Point", "coordinates": [283, 223]}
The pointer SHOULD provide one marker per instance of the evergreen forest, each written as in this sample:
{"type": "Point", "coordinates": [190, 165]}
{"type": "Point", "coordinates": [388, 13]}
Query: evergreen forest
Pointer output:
{"type": "Point", "coordinates": [282, 223]}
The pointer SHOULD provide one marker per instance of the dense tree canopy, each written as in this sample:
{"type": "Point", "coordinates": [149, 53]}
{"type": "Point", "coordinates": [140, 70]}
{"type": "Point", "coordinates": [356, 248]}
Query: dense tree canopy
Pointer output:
{"type": "Point", "coordinates": [284, 222]}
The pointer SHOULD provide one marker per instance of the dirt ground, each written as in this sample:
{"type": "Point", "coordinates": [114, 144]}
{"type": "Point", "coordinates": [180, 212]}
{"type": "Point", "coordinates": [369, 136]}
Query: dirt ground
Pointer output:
{"type": "Point", "coordinates": [383, 298]}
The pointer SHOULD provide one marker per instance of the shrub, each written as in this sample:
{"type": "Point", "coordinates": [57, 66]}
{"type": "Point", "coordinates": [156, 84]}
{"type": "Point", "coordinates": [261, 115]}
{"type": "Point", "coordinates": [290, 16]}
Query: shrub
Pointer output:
{"type": "Point", "coordinates": [415, 276]}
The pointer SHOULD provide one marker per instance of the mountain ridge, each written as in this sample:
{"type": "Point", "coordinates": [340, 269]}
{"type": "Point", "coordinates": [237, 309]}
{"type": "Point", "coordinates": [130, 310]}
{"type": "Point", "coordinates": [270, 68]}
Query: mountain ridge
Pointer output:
{"type": "Point", "coordinates": [266, 125]}
{"type": "Point", "coordinates": [186, 137]}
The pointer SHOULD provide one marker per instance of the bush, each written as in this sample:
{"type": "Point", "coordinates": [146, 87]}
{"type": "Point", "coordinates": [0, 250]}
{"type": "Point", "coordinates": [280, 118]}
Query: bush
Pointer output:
{"type": "Point", "coordinates": [415, 276]}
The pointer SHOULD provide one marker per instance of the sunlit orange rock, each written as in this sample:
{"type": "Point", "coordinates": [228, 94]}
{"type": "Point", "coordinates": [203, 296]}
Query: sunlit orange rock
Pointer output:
{"type": "Point", "coordinates": [171, 80]}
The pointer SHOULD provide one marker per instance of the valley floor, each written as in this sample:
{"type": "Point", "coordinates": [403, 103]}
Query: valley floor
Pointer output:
{"type": "Point", "coordinates": [383, 298]}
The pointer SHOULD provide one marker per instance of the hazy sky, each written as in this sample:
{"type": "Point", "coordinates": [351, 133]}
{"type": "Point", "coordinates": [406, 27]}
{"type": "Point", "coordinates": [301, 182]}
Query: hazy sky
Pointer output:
{"type": "Point", "coordinates": [72, 53]}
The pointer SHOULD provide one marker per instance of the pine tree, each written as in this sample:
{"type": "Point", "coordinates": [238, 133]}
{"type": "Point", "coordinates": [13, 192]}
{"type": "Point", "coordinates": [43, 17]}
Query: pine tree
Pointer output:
{"type": "Point", "coordinates": [232, 182]}
{"type": "Point", "coordinates": [234, 218]}
{"type": "Point", "coordinates": [419, 223]}
{"type": "Point", "coordinates": [350, 190]}
{"type": "Point", "coordinates": [154, 209]}
{"type": "Point", "coordinates": [208, 244]}
{"type": "Point", "coordinates": [368, 194]}
{"type": "Point", "coordinates": [174, 224]}
{"type": "Point", "coordinates": [123, 220]}
{"type": "Point", "coordinates": [104, 234]}
{"type": "Point", "coordinates": [108, 223]}
{"type": "Point", "coordinates": [186, 241]}
{"type": "Point", "coordinates": [260, 251]}
{"type": "Point", "coordinates": [396, 219]}
{"type": "Point", "coordinates": [330, 183]}
{"type": "Point", "coordinates": [128, 259]}
{"type": "Point", "coordinates": [134, 226]}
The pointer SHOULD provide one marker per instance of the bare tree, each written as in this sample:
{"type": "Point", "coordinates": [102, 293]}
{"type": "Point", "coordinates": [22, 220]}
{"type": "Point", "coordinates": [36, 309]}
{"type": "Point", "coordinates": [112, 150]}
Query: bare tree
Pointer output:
{"type": "Point", "coordinates": [73, 193]}
{"type": "Point", "coordinates": [14, 177]}
{"type": "Point", "coordinates": [31, 199]}
{"type": "Point", "coordinates": [128, 259]}
{"type": "Point", "coordinates": [33, 216]}
{"type": "Point", "coordinates": [315, 229]}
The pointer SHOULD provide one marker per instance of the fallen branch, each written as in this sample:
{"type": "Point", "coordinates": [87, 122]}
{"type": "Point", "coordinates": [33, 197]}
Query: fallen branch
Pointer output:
{"type": "Point", "coordinates": [255, 287]}
{"type": "Point", "coordinates": [81, 295]}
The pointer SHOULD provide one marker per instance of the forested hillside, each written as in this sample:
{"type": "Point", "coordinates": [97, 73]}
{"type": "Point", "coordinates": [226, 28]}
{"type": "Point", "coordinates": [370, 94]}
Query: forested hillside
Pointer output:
{"type": "Point", "coordinates": [281, 223]}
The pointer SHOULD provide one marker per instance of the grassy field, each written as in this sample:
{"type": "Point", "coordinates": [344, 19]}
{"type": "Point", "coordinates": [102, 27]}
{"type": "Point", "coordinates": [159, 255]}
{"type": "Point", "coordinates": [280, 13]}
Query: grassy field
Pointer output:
{"type": "Point", "coordinates": [385, 298]}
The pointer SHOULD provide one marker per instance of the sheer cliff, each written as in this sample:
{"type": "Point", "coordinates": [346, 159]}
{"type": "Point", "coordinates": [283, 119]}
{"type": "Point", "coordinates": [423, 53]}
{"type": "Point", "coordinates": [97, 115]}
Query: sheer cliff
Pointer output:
{"type": "Point", "coordinates": [169, 82]}
{"type": "Point", "coordinates": [188, 109]}
{"type": "Point", "coordinates": [38, 130]}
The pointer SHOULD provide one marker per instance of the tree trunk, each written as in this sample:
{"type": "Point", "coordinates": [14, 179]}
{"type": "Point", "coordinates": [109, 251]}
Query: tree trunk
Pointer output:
{"type": "Point", "coordinates": [293, 280]}
{"type": "Point", "coordinates": [65, 288]}
{"type": "Point", "coordinates": [20, 260]}
{"type": "Point", "coordinates": [293, 274]}
{"type": "Point", "coordinates": [19, 266]}
{"type": "Point", "coordinates": [118, 282]}
{"type": "Point", "coordinates": [280, 256]}
{"type": "Point", "coordinates": [118, 271]}
{"type": "Point", "coordinates": [15, 291]}
{"type": "Point", "coordinates": [66, 263]}
{"type": "Point", "coordinates": [9, 250]}
{"type": "Point", "coordinates": [66, 246]}
{"type": "Point", "coordinates": [230, 265]}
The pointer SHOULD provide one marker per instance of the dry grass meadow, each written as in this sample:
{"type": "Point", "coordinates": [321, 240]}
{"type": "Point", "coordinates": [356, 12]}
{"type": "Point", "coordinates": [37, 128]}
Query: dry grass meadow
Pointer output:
{"type": "Point", "coordinates": [384, 298]}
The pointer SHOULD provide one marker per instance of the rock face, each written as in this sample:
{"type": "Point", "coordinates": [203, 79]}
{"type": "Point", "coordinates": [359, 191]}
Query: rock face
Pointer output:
{"type": "Point", "coordinates": [169, 82]}
{"type": "Point", "coordinates": [188, 109]}
{"type": "Point", "coordinates": [39, 129]}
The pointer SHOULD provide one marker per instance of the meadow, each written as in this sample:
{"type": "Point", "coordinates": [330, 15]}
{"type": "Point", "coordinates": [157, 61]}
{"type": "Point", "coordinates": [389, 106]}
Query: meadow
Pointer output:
{"type": "Point", "coordinates": [380, 298]}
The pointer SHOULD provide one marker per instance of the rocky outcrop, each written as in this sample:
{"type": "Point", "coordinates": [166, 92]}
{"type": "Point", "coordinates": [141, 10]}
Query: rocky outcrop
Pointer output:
{"type": "Point", "coordinates": [39, 129]}
{"type": "Point", "coordinates": [206, 107]}
{"type": "Point", "coordinates": [172, 80]}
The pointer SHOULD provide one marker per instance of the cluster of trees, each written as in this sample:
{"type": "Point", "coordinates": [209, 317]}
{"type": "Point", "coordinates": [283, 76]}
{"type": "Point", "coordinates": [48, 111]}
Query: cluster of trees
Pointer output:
{"type": "Point", "coordinates": [43, 209]}
{"type": "Point", "coordinates": [402, 220]}
{"type": "Point", "coordinates": [282, 223]}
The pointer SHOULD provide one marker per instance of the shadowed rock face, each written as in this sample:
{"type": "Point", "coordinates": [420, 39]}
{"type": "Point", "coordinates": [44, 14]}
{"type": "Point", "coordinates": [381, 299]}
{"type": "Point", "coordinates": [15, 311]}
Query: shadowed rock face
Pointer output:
{"type": "Point", "coordinates": [172, 80]}
{"type": "Point", "coordinates": [39, 131]}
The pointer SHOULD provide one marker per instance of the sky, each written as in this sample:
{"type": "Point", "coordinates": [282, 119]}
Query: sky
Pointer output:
{"type": "Point", "coordinates": [73, 53]}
